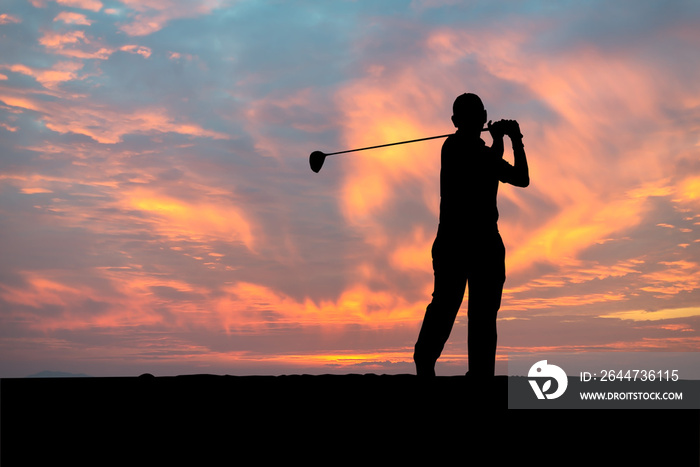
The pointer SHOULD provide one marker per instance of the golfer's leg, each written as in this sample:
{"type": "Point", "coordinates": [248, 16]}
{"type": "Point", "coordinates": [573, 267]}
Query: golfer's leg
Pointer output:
{"type": "Point", "coordinates": [439, 318]}
{"type": "Point", "coordinates": [483, 304]}
{"type": "Point", "coordinates": [485, 291]}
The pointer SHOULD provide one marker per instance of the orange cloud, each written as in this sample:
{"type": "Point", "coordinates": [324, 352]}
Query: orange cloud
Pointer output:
{"type": "Point", "coordinates": [373, 180]}
{"type": "Point", "coordinates": [248, 305]}
{"type": "Point", "coordinates": [131, 298]}
{"type": "Point", "coordinates": [577, 272]}
{"type": "Point", "coordinates": [689, 190]}
{"type": "Point", "coordinates": [339, 361]}
{"type": "Point", "coordinates": [413, 252]}
{"type": "Point", "coordinates": [178, 218]}
{"type": "Point", "coordinates": [561, 303]}
{"type": "Point", "coordinates": [659, 315]}
{"type": "Point", "coordinates": [677, 276]}
{"type": "Point", "coordinates": [574, 229]}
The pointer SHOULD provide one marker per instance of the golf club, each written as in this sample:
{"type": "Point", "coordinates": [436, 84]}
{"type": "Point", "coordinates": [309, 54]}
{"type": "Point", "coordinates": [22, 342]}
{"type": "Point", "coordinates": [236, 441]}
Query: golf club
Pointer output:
{"type": "Point", "coordinates": [317, 158]}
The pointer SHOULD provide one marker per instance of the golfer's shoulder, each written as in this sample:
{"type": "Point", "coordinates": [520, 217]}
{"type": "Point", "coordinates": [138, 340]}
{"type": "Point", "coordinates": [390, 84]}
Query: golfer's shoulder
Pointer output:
{"type": "Point", "coordinates": [450, 140]}
{"type": "Point", "coordinates": [453, 143]}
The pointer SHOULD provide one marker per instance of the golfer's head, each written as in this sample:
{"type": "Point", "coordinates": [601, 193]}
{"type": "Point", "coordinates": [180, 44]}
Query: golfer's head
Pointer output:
{"type": "Point", "coordinates": [468, 112]}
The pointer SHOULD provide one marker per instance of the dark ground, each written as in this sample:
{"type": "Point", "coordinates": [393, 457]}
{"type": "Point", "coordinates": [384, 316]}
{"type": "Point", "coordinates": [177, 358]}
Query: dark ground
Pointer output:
{"type": "Point", "coordinates": [325, 419]}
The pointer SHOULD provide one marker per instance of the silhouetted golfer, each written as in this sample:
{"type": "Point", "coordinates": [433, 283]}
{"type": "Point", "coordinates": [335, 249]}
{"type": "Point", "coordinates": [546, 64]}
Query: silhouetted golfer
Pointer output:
{"type": "Point", "coordinates": [468, 248]}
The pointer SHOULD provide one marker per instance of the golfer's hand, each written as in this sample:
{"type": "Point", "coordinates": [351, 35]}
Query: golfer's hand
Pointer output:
{"type": "Point", "coordinates": [512, 129]}
{"type": "Point", "coordinates": [497, 129]}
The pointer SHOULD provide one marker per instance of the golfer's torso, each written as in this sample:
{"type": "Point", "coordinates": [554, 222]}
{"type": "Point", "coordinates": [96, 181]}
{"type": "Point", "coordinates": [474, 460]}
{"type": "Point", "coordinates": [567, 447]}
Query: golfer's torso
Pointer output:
{"type": "Point", "coordinates": [468, 188]}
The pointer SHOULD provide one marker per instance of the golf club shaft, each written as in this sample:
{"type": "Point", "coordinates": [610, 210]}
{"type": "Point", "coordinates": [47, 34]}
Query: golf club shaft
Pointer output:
{"type": "Point", "coordinates": [394, 144]}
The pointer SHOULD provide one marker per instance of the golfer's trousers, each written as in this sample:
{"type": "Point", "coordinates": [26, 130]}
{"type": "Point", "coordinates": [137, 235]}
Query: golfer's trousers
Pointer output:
{"type": "Point", "coordinates": [479, 263]}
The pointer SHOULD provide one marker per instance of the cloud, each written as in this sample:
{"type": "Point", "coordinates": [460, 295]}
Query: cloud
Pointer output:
{"type": "Point", "coordinates": [107, 126]}
{"type": "Point", "coordinates": [52, 78]}
{"type": "Point", "coordinates": [178, 218]}
{"type": "Point", "coordinates": [92, 5]}
{"type": "Point", "coordinates": [74, 44]}
{"type": "Point", "coordinates": [675, 277]}
{"type": "Point", "coordinates": [70, 17]}
{"type": "Point", "coordinates": [137, 49]}
{"type": "Point", "coordinates": [152, 15]}
{"type": "Point", "coordinates": [6, 18]}
{"type": "Point", "coordinates": [659, 315]}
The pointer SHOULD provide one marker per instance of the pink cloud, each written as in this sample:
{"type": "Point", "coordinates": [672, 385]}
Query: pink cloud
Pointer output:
{"type": "Point", "coordinates": [6, 18]}
{"type": "Point", "coordinates": [153, 15]}
{"type": "Point", "coordinates": [54, 39]}
{"type": "Point", "coordinates": [78, 45]}
{"type": "Point", "coordinates": [73, 18]}
{"type": "Point", "coordinates": [9, 128]}
{"type": "Point", "coordinates": [106, 126]}
{"type": "Point", "coordinates": [92, 5]}
{"type": "Point", "coordinates": [20, 102]}
{"type": "Point", "coordinates": [50, 289]}
{"type": "Point", "coordinates": [137, 49]}
{"type": "Point", "coordinates": [49, 78]}
{"type": "Point", "coordinates": [74, 44]}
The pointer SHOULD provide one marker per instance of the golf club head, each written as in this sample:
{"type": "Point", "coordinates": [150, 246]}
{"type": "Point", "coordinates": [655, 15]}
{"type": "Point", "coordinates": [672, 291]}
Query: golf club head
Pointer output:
{"type": "Point", "coordinates": [316, 160]}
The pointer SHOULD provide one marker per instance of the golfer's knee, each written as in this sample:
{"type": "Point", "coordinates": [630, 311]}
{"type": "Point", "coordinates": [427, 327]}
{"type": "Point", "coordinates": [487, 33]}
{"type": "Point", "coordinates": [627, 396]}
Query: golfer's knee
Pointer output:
{"type": "Point", "coordinates": [427, 351]}
{"type": "Point", "coordinates": [449, 304]}
{"type": "Point", "coordinates": [486, 307]}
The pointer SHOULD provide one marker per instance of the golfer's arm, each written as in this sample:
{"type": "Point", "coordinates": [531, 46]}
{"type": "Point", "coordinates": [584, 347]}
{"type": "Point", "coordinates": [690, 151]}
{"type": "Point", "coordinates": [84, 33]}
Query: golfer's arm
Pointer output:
{"type": "Point", "coordinates": [521, 175]}
{"type": "Point", "coordinates": [497, 146]}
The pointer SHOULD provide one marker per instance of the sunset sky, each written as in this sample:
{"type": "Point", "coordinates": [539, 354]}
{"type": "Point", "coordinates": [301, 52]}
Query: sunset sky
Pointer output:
{"type": "Point", "coordinates": [158, 213]}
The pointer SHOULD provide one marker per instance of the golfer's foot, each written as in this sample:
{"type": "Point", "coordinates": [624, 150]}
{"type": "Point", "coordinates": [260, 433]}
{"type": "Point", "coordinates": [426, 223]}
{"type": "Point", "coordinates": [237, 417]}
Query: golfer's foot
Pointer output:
{"type": "Point", "coordinates": [425, 370]}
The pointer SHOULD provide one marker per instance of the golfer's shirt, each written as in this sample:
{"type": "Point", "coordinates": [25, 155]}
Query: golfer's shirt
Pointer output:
{"type": "Point", "coordinates": [469, 179]}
